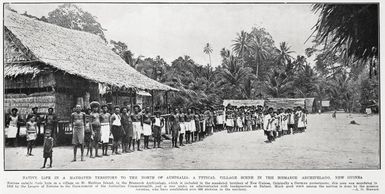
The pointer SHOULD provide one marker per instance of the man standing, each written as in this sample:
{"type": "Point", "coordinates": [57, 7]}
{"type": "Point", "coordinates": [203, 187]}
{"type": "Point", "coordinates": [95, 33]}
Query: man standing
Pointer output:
{"type": "Point", "coordinates": [78, 121]}
{"type": "Point", "coordinates": [157, 124]}
{"type": "Point", "coordinates": [95, 126]}
{"type": "Point", "coordinates": [137, 124]}
{"type": "Point", "coordinates": [50, 121]}
{"type": "Point", "coordinates": [116, 130]}
{"type": "Point", "coordinates": [105, 129]}
{"type": "Point", "coordinates": [197, 125]}
{"type": "Point", "coordinates": [187, 119]}
{"type": "Point", "coordinates": [147, 127]}
{"type": "Point", "coordinates": [182, 130]}
{"type": "Point", "coordinates": [175, 127]}
{"type": "Point", "coordinates": [128, 131]}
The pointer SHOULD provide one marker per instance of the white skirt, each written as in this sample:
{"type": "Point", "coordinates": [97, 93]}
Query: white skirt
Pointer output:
{"type": "Point", "coordinates": [188, 126]}
{"type": "Point", "coordinates": [284, 126]}
{"type": "Point", "coordinates": [105, 132]}
{"type": "Point", "coordinates": [147, 129]}
{"type": "Point", "coordinates": [220, 120]}
{"type": "Point", "coordinates": [239, 123]}
{"type": "Point", "coordinates": [230, 122]}
{"type": "Point", "coordinates": [301, 124]}
{"type": "Point", "coordinates": [182, 128]}
{"type": "Point", "coordinates": [137, 130]}
{"type": "Point", "coordinates": [11, 131]}
{"type": "Point", "coordinates": [193, 127]}
{"type": "Point", "coordinates": [23, 131]}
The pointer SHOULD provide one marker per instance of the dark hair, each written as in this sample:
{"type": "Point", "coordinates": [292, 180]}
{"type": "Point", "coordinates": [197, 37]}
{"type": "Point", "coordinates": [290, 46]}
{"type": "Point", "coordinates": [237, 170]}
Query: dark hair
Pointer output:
{"type": "Point", "coordinates": [124, 107]}
{"type": "Point", "coordinates": [14, 109]}
{"type": "Point", "coordinates": [30, 116]}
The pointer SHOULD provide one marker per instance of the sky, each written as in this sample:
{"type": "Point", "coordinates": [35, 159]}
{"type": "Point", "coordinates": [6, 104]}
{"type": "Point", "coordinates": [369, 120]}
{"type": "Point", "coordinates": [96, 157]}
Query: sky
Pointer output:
{"type": "Point", "coordinates": [173, 30]}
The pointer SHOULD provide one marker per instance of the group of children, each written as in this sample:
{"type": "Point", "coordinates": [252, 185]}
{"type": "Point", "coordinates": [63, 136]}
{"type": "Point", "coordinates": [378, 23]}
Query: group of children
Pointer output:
{"type": "Point", "coordinates": [275, 123]}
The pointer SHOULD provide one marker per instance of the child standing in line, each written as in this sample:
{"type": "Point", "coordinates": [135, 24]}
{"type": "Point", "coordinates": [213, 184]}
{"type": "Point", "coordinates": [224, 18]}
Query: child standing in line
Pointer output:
{"type": "Point", "coordinates": [291, 121]}
{"type": "Point", "coordinates": [268, 125]}
{"type": "Point", "coordinates": [275, 125]}
{"type": "Point", "coordinates": [88, 134]}
{"type": "Point", "coordinates": [285, 119]}
{"type": "Point", "coordinates": [47, 149]}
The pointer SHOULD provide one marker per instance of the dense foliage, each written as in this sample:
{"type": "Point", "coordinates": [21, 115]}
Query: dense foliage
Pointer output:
{"type": "Point", "coordinates": [255, 67]}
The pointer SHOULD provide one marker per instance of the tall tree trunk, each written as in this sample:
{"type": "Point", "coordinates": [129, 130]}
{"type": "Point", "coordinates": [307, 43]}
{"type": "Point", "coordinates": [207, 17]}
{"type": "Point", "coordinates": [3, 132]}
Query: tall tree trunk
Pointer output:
{"type": "Point", "coordinates": [257, 71]}
{"type": "Point", "coordinates": [210, 58]}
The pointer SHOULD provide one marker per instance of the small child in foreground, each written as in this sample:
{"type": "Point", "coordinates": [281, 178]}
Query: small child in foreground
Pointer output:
{"type": "Point", "coordinates": [47, 149]}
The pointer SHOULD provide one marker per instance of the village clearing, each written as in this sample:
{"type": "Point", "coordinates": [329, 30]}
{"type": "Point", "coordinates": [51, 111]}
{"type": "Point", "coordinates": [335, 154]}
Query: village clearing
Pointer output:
{"type": "Point", "coordinates": [327, 144]}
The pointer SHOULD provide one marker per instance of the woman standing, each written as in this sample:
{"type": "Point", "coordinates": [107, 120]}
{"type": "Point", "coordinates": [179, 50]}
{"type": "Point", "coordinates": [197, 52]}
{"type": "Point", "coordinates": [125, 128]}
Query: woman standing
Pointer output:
{"type": "Point", "coordinates": [12, 125]}
{"type": "Point", "coordinates": [128, 131]}
{"type": "Point", "coordinates": [31, 133]}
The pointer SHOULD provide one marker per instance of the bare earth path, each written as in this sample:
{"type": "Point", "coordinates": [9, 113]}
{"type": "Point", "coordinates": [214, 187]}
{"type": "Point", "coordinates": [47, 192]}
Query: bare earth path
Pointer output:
{"type": "Point", "coordinates": [327, 144]}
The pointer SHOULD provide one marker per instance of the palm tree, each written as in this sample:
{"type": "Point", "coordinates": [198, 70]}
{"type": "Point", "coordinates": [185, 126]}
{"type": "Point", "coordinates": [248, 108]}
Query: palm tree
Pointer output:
{"type": "Point", "coordinates": [241, 43]}
{"type": "Point", "coordinates": [234, 76]}
{"type": "Point", "coordinates": [278, 84]}
{"type": "Point", "coordinates": [259, 52]}
{"type": "Point", "coordinates": [354, 28]}
{"type": "Point", "coordinates": [284, 52]}
{"type": "Point", "coordinates": [300, 63]}
{"type": "Point", "coordinates": [208, 50]}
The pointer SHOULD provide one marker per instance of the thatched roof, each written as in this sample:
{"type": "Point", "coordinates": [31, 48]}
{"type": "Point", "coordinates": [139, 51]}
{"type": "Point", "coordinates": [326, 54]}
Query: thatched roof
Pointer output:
{"type": "Point", "coordinates": [239, 103]}
{"type": "Point", "coordinates": [75, 52]}
{"type": "Point", "coordinates": [325, 103]}
{"type": "Point", "coordinates": [285, 102]}
{"type": "Point", "coordinates": [290, 103]}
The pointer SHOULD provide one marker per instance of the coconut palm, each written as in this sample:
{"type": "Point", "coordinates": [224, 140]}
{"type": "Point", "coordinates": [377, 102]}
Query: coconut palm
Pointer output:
{"type": "Point", "coordinates": [241, 43]}
{"type": "Point", "coordinates": [278, 84]}
{"type": "Point", "coordinates": [234, 76]}
{"type": "Point", "coordinates": [352, 27]}
{"type": "Point", "coordinates": [208, 50]}
{"type": "Point", "coordinates": [284, 52]}
{"type": "Point", "coordinates": [259, 52]}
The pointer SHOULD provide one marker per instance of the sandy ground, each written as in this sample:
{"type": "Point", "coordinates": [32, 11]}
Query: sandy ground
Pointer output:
{"type": "Point", "coordinates": [327, 144]}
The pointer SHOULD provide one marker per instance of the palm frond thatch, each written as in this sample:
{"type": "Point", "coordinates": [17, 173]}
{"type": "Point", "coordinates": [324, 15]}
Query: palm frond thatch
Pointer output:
{"type": "Point", "coordinates": [75, 52]}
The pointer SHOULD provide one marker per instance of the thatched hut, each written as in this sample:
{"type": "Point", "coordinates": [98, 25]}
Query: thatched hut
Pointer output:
{"type": "Point", "coordinates": [246, 103]}
{"type": "Point", "coordinates": [307, 103]}
{"type": "Point", "coordinates": [49, 66]}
